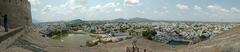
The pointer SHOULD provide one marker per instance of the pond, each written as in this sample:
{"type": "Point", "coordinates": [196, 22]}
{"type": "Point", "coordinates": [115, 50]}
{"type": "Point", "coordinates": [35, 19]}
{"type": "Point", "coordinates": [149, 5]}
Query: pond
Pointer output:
{"type": "Point", "coordinates": [77, 39]}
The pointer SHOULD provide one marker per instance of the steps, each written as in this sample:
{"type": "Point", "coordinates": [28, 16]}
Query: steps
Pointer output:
{"type": "Point", "coordinates": [8, 38]}
{"type": "Point", "coordinates": [26, 45]}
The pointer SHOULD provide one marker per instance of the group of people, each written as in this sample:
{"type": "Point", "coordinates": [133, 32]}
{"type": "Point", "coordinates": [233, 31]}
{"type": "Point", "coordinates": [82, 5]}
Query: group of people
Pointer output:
{"type": "Point", "coordinates": [5, 22]}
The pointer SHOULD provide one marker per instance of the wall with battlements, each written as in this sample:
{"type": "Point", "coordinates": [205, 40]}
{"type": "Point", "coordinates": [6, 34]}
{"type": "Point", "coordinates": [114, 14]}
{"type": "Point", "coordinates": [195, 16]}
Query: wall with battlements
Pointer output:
{"type": "Point", "coordinates": [18, 12]}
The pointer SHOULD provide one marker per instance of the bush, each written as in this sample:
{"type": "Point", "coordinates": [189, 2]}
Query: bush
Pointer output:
{"type": "Point", "coordinates": [204, 37]}
{"type": "Point", "coordinates": [58, 34]}
{"type": "Point", "coordinates": [149, 34]}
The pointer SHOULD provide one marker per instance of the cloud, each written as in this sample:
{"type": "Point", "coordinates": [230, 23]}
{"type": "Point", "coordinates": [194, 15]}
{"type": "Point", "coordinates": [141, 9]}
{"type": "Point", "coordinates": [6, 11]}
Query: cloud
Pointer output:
{"type": "Point", "coordinates": [131, 2]}
{"type": "Point", "coordinates": [75, 9]}
{"type": "Point", "coordinates": [217, 8]}
{"type": "Point", "coordinates": [140, 11]}
{"type": "Point", "coordinates": [218, 11]}
{"type": "Point", "coordinates": [34, 2]}
{"type": "Point", "coordinates": [75, 4]}
{"type": "Point", "coordinates": [47, 9]}
{"type": "Point", "coordinates": [197, 8]}
{"type": "Point", "coordinates": [223, 12]}
{"type": "Point", "coordinates": [182, 7]}
{"type": "Point", "coordinates": [164, 7]}
{"type": "Point", "coordinates": [106, 7]}
{"type": "Point", "coordinates": [200, 10]}
{"type": "Point", "coordinates": [235, 10]}
{"type": "Point", "coordinates": [66, 11]}
{"type": "Point", "coordinates": [163, 13]}
{"type": "Point", "coordinates": [52, 13]}
{"type": "Point", "coordinates": [155, 12]}
{"type": "Point", "coordinates": [118, 9]}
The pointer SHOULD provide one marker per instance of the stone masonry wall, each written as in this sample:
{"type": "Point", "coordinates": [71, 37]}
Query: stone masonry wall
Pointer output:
{"type": "Point", "coordinates": [18, 12]}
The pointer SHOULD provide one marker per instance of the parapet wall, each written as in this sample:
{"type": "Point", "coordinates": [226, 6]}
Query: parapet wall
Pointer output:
{"type": "Point", "coordinates": [18, 12]}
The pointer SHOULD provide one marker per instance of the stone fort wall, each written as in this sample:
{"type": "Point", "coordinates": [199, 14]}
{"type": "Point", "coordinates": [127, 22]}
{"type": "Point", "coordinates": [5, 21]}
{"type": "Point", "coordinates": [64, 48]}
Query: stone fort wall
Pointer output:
{"type": "Point", "coordinates": [17, 11]}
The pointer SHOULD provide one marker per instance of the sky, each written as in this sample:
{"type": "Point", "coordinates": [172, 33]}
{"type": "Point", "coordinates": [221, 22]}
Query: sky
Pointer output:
{"type": "Point", "coordinates": [180, 10]}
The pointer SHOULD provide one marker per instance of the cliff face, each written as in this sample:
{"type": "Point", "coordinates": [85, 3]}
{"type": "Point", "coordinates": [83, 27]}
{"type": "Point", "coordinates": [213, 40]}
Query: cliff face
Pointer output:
{"type": "Point", "coordinates": [18, 12]}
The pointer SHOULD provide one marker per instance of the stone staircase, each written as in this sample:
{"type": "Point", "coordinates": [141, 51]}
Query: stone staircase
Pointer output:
{"type": "Point", "coordinates": [21, 40]}
{"type": "Point", "coordinates": [8, 38]}
{"type": "Point", "coordinates": [24, 45]}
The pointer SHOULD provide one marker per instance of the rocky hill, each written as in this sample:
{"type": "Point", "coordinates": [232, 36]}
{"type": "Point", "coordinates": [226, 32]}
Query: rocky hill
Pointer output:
{"type": "Point", "coordinates": [136, 19]}
{"type": "Point", "coordinates": [228, 41]}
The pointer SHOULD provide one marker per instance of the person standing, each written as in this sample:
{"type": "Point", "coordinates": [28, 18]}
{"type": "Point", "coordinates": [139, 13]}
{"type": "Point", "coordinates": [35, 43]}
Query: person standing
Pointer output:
{"type": "Point", "coordinates": [5, 22]}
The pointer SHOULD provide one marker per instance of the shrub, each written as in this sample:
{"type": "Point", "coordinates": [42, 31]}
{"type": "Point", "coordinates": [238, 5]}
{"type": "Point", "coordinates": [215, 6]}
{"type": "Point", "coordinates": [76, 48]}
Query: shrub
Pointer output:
{"type": "Point", "coordinates": [149, 34]}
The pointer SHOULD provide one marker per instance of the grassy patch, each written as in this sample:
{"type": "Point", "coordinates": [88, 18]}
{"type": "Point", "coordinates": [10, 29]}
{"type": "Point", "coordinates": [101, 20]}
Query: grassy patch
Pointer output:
{"type": "Point", "coordinates": [59, 36]}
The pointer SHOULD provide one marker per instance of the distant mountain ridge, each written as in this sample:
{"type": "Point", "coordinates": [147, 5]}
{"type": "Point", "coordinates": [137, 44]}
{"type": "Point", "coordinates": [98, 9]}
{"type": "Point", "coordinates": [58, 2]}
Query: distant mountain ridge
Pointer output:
{"type": "Point", "coordinates": [77, 21]}
{"type": "Point", "coordinates": [136, 19]}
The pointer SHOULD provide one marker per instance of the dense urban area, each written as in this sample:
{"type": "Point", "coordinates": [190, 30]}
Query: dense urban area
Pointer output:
{"type": "Point", "coordinates": [172, 33]}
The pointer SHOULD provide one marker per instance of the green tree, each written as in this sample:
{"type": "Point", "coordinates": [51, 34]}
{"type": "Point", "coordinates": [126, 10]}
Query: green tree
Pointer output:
{"type": "Point", "coordinates": [149, 33]}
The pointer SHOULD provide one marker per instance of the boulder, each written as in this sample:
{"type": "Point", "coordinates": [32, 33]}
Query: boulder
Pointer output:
{"type": "Point", "coordinates": [114, 40]}
{"type": "Point", "coordinates": [105, 36]}
{"type": "Point", "coordinates": [96, 41]}
{"type": "Point", "coordinates": [106, 40]}
{"type": "Point", "coordinates": [91, 43]}
{"type": "Point", "coordinates": [102, 36]}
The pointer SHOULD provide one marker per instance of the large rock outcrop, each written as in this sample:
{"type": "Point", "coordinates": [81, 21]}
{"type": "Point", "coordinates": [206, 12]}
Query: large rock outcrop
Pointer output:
{"type": "Point", "coordinates": [18, 12]}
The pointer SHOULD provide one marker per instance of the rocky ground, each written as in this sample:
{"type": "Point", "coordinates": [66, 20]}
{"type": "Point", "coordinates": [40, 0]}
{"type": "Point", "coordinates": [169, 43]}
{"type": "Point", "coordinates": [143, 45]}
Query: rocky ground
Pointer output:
{"type": "Point", "coordinates": [224, 42]}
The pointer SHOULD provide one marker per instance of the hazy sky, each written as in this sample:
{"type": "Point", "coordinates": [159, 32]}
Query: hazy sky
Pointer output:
{"type": "Point", "coordinates": [193, 10]}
